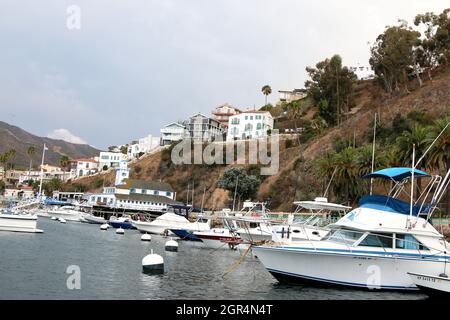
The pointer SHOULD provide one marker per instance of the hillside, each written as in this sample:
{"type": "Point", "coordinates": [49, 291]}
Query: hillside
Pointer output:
{"type": "Point", "coordinates": [12, 137]}
{"type": "Point", "coordinates": [297, 178]}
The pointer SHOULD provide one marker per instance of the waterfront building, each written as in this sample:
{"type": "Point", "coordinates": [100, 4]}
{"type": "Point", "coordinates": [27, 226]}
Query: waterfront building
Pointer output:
{"type": "Point", "coordinates": [68, 196]}
{"type": "Point", "coordinates": [289, 96]}
{"type": "Point", "coordinates": [224, 112]}
{"type": "Point", "coordinates": [21, 192]}
{"type": "Point", "coordinates": [172, 132]}
{"type": "Point", "coordinates": [249, 125]}
{"type": "Point", "coordinates": [110, 159]}
{"type": "Point", "coordinates": [202, 128]}
{"type": "Point", "coordinates": [142, 146]}
{"type": "Point", "coordinates": [84, 167]}
{"type": "Point", "coordinates": [136, 196]}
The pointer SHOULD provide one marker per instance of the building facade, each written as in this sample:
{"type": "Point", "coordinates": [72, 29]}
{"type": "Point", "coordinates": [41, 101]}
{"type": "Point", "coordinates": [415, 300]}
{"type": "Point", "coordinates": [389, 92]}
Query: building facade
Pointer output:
{"type": "Point", "coordinates": [136, 195]}
{"type": "Point", "coordinates": [84, 167]}
{"type": "Point", "coordinates": [110, 159]}
{"type": "Point", "coordinates": [293, 95]}
{"type": "Point", "coordinates": [202, 128]}
{"type": "Point", "coordinates": [224, 112]}
{"type": "Point", "coordinates": [171, 133]}
{"type": "Point", "coordinates": [249, 125]}
{"type": "Point", "coordinates": [144, 145]}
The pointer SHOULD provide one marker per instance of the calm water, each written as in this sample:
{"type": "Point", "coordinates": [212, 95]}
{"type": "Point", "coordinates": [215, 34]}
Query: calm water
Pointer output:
{"type": "Point", "coordinates": [33, 266]}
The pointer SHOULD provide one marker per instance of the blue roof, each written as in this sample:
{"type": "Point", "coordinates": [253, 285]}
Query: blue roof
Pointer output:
{"type": "Point", "coordinates": [396, 174]}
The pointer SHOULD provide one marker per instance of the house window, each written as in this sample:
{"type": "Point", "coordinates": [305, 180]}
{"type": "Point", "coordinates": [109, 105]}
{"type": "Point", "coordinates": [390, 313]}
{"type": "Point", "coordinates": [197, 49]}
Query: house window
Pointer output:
{"type": "Point", "coordinates": [251, 117]}
{"type": "Point", "coordinates": [169, 194]}
{"type": "Point", "coordinates": [259, 126]}
{"type": "Point", "coordinates": [132, 190]}
{"type": "Point", "coordinates": [155, 193]}
{"type": "Point", "coordinates": [246, 117]}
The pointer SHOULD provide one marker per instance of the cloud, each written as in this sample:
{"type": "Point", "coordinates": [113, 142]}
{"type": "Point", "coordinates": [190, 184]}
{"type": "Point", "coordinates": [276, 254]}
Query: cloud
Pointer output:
{"type": "Point", "coordinates": [66, 135]}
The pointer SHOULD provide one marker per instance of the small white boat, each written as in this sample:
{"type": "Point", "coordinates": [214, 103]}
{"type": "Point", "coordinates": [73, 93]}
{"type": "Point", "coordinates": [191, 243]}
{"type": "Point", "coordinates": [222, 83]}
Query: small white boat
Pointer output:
{"type": "Point", "coordinates": [18, 222]}
{"type": "Point", "coordinates": [68, 213]}
{"type": "Point", "coordinates": [89, 218]}
{"type": "Point", "coordinates": [432, 285]}
{"type": "Point", "coordinates": [62, 220]}
{"type": "Point", "coordinates": [163, 224]}
{"type": "Point", "coordinates": [219, 238]}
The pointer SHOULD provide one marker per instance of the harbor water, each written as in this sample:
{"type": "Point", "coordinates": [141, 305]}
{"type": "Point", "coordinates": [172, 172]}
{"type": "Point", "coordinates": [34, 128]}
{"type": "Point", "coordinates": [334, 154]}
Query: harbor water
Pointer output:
{"type": "Point", "coordinates": [40, 266]}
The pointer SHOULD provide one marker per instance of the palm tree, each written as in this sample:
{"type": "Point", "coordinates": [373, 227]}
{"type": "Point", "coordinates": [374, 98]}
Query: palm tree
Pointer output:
{"type": "Point", "coordinates": [266, 90]}
{"type": "Point", "coordinates": [64, 161]}
{"type": "Point", "coordinates": [439, 156]}
{"type": "Point", "coordinates": [31, 152]}
{"type": "Point", "coordinates": [11, 155]}
{"type": "Point", "coordinates": [418, 136]}
{"type": "Point", "coordinates": [347, 179]}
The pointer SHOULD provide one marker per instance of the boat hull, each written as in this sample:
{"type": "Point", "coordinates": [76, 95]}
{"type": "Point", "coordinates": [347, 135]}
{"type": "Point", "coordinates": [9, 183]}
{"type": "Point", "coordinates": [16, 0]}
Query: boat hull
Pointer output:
{"type": "Point", "coordinates": [431, 285]}
{"type": "Point", "coordinates": [384, 271]}
{"type": "Point", "coordinates": [184, 234]}
{"type": "Point", "coordinates": [121, 224]}
{"type": "Point", "coordinates": [19, 223]}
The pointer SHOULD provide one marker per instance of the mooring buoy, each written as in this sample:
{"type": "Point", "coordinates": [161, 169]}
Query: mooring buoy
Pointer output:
{"type": "Point", "coordinates": [171, 245]}
{"type": "Point", "coordinates": [104, 226]}
{"type": "Point", "coordinates": [120, 231]}
{"type": "Point", "coordinates": [153, 264]}
{"type": "Point", "coordinates": [146, 237]}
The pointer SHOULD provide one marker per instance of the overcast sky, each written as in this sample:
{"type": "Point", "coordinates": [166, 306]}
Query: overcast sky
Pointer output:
{"type": "Point", "coordinates": [134, 65]}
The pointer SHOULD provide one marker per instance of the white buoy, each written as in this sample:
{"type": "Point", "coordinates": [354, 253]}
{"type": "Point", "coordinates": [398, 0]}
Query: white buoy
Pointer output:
{"type": "Point", "coordinates": [153, 264]}
{"type": "Point", "coordinates": [146, 237]}
{"type": "Point", "coordinates": [104, 226]}
{"type": "Point", "coordinates": [62, 220]}
{"type": "Point", "coordinates": [171, 245]}
{"type": "Point", "coordinates": [54, 218]}
{"type": "Point", "coordinates": [120, 231]}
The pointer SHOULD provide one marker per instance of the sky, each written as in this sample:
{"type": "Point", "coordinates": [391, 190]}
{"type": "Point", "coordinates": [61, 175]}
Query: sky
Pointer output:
{"type": "Point", "coordinates": [126, 68]}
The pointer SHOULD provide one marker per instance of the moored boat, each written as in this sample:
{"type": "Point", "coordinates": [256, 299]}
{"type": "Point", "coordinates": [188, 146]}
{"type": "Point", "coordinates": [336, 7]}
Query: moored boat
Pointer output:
{"type": "Point", "coordinates": [18, 222]}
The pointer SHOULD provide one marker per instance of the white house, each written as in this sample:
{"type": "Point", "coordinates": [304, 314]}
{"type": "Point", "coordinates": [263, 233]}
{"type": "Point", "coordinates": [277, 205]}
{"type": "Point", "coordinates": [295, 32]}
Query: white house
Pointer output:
{"type": "Point", "coordinates": [110, 159]}
{"type": "Point", "coordinates": [171, 133]}
{"type": "Point", "coordinates": [84, 167]}
{"type": "Point", "coordinates": [363, 72]}
{"type": "Point", "coordinates": [144, 145]}
{"type": "Point", "coordinates": [48, 172]}
{"type": "Point", "coordinates": [202, 128]}
{"type": "Point", "coordinates": [249, 125]}
{"type": "Point", "coordinates": [224, 112]}
{"type": "Point", "coordinates": [292, 95]}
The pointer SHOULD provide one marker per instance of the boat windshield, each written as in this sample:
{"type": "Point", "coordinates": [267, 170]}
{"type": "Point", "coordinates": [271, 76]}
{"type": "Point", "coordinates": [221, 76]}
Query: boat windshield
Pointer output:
{"type": "Point", "coordinates": [345, 236]}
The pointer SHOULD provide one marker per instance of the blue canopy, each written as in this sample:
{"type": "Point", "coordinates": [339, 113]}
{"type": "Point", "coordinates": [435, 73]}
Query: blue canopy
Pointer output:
{"type": "Point", "coordinates": [389, 204]}
{"type": "Point", "coordinates": [397, 174]}
{"type": "Point", "coordinates": [54, 202]}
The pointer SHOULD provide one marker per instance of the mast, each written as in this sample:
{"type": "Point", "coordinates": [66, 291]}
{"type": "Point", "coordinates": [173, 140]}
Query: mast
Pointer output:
{"type": "Point", "coordinates": [42, 170]}
{"type": "Point", "coordinates": [235, 190]}
{"type": "Point", "coordinates": [412, 181]}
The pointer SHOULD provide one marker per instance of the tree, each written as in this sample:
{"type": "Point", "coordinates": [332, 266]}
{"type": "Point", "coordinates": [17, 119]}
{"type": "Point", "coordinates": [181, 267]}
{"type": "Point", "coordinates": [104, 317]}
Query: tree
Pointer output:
{"type": "Point", "coordinates": [266, 90]}
{"type": "Point", "coordinates": [64, 162]}
{"type": "Point", "coordinates": [112, 148]}
{"type": "Point", "coordinates": [417, 136]}
{"type": "Point", "coordinates": [54, 184]}
{"type": "Point", "coordinates": [439, 156]}
{"type": "Point", "coordinates": [31, 152]}
{"type": "Point", "coordinates": [124, 149]}
{"type": "Point", "coordinates": [435, 45]}
{"type": "Point", "coordinates": [392, 56]}
{"type": "Point", "coordinates": [247, 185]}
{"type": "Point", "coordinates": [331, 88]}
{"type": "Point", "coordinates": [2, 186]}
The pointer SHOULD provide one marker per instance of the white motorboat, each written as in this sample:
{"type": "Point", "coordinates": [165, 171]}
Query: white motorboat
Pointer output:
{"type": "Point", "coordinates": [432, 285]}
{"type": "Point", "coordinates": [218, 238]}
{"type": "Point", "coordinates": [68, 213]}
{"type": "Point", "coordinates": [374, 246]}
{"type": "Point", "coordinates": [165, 222]}
{"type": "Point", "coordinates": [18, 221]}
{"type": "Point", "coordinates": [90, 218]}
{"type": "Point", "coordinates": [312, 228]}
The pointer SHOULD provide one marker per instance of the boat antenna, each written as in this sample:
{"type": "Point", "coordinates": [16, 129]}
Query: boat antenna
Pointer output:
{"type": "Point", "coordinates": [373, 151]}
{"type": "Point", "coordinates": [42, 170]}
{"type": "Point", "coordinates": [235, 191]}
{"type": "Point", "coordinates": [329, 183]}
